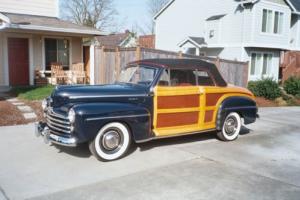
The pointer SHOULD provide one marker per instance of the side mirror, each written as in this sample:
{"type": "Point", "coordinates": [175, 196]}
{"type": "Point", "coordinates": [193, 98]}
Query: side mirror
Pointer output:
{"type": "Point", "coordinates": [151, 94]}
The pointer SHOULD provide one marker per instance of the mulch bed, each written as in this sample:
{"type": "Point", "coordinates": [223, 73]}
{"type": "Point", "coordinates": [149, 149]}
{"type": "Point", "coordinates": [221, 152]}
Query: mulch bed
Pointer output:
{"type": "Point", "coordinates": [262, 102]}
{"type": "Point", "coordinates": [10, 115]}
{"type": "Point", "coordinates": [37, 108]}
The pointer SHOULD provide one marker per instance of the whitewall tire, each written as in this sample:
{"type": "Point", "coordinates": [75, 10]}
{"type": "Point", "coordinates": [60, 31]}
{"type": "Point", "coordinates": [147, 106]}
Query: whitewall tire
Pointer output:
{"type": "Point", "coordinates": [112, 142]}
{"type": "Point", "coordinates": [231, 127]}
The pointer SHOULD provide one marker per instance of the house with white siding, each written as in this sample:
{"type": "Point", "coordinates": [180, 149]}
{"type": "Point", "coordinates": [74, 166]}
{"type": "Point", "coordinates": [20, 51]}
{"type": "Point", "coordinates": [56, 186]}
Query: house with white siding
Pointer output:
{"type": "Point", "coordinates": [258, 31]}
{"type": "Point", "coordinates": [32, 37]}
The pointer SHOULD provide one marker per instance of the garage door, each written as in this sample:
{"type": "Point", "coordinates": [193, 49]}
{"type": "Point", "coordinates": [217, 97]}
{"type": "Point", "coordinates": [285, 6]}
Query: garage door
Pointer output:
{"type": "Point", "coordinates": [18, 61]}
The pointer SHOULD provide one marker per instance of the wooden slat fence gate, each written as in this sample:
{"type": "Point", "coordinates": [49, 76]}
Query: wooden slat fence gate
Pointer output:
{"type": "Point", "coordinates": [110, 61]}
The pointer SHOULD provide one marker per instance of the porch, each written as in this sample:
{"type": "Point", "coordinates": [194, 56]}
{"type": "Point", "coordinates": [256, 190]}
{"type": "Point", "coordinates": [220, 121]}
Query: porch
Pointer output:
{"type": "Point", "coordinates": [31, 45]}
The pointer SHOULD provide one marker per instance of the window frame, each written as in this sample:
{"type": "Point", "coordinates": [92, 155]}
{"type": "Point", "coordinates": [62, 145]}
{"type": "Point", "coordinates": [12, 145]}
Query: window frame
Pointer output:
{"type": "Point", "coordinates": [261, 64]}
{"type": "Point", "coordinates": [196, 79]}
{"type": "Point", "coordinates": [156, 73]}
{"type": "Point", "coordinates": [280, 23]}
{"type": "Point", "coordinates": [191, 51]}
{"type": "Point", "coordinates": [44, 49]}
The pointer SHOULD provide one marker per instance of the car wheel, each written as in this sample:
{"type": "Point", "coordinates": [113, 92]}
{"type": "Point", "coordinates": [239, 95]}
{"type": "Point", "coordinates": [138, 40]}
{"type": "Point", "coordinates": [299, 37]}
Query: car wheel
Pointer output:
{"type": "Point", "coordinates": [111, 143]}
{"type": "Point", "coordinates": [231, 127]}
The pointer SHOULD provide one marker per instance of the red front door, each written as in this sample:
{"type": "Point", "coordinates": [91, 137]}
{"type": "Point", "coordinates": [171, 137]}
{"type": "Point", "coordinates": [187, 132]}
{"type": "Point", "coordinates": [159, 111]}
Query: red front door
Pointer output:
{"type": "Point", "coordinates": [18, 61]}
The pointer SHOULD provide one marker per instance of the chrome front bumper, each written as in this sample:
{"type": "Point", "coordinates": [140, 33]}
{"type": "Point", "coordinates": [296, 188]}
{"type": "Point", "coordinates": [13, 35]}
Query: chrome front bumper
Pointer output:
{"type": "Point", "coordinates": [41, 129]}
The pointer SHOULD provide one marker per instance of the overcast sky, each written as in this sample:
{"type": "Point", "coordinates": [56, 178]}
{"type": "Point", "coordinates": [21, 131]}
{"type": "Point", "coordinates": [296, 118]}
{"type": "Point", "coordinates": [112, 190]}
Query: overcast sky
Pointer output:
{"type": "Point", "coordinates": [131, 14]}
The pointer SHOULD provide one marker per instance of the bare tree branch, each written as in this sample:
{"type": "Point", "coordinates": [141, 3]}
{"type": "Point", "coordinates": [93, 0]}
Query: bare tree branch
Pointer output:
{"type": "Point", "coordinates": [98, 14]}
{"type": "Point", "coordinates": [154, 6]}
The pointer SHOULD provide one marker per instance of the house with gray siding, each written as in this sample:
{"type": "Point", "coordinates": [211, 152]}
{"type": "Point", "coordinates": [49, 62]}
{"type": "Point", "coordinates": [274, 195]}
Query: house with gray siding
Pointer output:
{"type": "Point", "coordinates": [257, 31]}
{"type": "Point", "coordinates": [32, 37]}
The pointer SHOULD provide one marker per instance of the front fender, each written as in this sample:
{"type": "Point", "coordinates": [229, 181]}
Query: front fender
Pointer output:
{"type": "Point", "coordinates": [91, 117]}
{"type": "Point", "coordinates": [245, 107]}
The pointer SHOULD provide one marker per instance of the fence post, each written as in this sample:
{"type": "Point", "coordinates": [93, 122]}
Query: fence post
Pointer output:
{"type": "Point", "coordinates": [138, 53]}
{"type": "Point", "coordinates": [103, 68]}
{"type": "Point", "coordinates": [245, 74]}
{"type": "Point", "coordinates": [94, 64]}
{"type": "Point", "coordinates": [180, 54]}
{"type": "Point", "coordinates": [117, 62]}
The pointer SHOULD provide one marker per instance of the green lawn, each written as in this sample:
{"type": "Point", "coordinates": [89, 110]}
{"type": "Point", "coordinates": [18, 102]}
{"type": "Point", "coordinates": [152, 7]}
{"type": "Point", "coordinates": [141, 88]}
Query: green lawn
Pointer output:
{"type": "Point", "coordinates": [33, 93]}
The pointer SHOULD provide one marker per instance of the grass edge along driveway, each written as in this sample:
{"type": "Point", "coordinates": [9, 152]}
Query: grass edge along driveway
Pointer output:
{"type": "Point", "coordinates": [32, 93]}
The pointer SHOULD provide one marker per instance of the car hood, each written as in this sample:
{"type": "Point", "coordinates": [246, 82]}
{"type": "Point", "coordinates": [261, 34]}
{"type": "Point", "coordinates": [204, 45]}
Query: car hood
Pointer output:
{"type": "Point", "coordinates": [72, 94]}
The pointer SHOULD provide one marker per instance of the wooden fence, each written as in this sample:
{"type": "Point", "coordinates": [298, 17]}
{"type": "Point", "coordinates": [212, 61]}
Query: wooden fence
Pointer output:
{"type": "Point", "coordinates": [110, 61]}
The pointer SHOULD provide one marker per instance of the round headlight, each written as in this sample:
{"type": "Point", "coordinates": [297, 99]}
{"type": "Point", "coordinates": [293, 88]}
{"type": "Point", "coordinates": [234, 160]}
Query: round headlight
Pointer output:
{"type": "Point", "coordinates": [71, 115]}
{"type": "Point", "coordinates": [44, 104]}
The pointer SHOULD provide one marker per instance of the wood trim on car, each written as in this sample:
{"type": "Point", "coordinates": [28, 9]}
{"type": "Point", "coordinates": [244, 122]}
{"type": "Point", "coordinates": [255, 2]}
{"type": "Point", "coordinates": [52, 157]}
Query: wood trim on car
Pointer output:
{"type": "Point", "coordinates": [209, 116]}
{"type": "Point", "coordinates": [212, 99]}
{"type": "Point", "coordinates": [186, 101]}
{"type": "Point", "coordinates": [176, 119]}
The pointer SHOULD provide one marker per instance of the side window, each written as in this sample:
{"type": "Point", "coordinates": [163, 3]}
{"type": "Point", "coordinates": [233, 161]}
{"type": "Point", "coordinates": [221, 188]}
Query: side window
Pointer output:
{"type": "Point", "coordinates": [164, 79]}
{"type": "Point", "coordinates": [204, 78]}
{"type": "Point", "coordinates": [182, 78]}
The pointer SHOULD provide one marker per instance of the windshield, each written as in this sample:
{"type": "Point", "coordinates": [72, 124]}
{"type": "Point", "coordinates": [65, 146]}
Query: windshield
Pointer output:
{"type": "Point", "coordinates": [138, 75]}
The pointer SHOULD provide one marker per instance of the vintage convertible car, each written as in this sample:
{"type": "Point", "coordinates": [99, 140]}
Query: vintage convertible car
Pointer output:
{"type": "Point", "coordinates": [153, 99]}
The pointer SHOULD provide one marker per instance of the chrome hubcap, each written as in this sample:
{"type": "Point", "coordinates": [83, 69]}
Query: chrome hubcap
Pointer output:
{"type": "Point", "coordinates": [230, 126]}
{"type": "Point", "coordinates": [111, 140]}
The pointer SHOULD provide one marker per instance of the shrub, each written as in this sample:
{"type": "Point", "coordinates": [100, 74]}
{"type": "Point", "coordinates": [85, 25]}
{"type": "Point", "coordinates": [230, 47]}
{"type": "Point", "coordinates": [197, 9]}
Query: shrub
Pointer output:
{"type": "Point", "coordinates": [267, 88]}
{"type": "Point", "coordinates": [292, 86]}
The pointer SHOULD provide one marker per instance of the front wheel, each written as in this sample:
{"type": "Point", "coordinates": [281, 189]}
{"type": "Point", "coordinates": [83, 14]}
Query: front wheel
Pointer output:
{"type": "Point", "coordinates": [112, 142]}
{"type": "Point", "coordinates": [231, 127]}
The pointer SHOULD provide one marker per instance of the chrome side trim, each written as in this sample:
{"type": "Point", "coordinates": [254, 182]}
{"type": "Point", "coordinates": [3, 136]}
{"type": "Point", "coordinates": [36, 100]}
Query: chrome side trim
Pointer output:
{"type": "Point", "coordinates": [172, 136]}
{"type": "Point", "coordinates": [117, 117]}
{"type": "Point", "coordinates": [108, 96]}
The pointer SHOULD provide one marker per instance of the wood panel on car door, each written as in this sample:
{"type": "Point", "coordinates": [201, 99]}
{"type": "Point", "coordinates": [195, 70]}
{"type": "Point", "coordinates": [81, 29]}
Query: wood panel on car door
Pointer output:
{"type": "Point", "coordinates": [177, 110]}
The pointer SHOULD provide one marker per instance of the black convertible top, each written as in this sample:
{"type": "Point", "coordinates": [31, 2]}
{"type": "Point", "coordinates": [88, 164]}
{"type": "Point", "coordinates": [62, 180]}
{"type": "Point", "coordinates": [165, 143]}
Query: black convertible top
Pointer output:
{"type": "Point", "coordinates": [187, 64]}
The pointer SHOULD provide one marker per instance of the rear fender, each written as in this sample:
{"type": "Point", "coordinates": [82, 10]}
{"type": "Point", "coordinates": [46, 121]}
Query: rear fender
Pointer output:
{"type": "Point", "coordinates": [245, 107]}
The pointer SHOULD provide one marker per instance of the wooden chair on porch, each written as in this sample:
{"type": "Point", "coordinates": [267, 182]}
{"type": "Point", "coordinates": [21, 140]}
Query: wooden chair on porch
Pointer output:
{"type": "Point", "coordinates": [39, 77]}
{"type": "Point", "coordinates": [58, 75]}
{"type": "Point", "coordinates": [78, 73]}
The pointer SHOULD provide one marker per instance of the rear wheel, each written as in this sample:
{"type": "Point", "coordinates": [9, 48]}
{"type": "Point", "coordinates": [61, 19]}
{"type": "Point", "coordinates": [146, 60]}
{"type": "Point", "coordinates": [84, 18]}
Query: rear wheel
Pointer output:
{"type": "Point", "coordinates": [112, 142]}
{"type": "Point", "coordinates": [231, 127]}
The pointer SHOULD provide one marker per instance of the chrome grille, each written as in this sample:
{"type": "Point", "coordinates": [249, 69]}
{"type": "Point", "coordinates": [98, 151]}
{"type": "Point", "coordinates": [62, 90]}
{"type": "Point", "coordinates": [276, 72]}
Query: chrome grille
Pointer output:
{"type": "Point", "coordinates": [57, 123]}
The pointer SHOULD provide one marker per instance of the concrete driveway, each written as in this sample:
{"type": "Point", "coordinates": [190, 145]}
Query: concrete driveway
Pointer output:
{"type": "Point", "coordinates": [264, 163]}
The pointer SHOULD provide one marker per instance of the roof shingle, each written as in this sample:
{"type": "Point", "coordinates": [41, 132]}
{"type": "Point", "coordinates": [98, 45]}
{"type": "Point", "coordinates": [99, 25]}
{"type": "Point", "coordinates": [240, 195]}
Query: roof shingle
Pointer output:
{"type": "Point", "coordinates": [113, 40]}
{"type": "Point", "coordinates": [18, 20]}
{"type": "Point", "coordinates": [296, 4]}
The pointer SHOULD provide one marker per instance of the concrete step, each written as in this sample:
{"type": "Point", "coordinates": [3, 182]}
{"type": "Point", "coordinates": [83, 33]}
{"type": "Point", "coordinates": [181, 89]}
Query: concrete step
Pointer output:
{"type": "Point", "coordinates": [4, 88]}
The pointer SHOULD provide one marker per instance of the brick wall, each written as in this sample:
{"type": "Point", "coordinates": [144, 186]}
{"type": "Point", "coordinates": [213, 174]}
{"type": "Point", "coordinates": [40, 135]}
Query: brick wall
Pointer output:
{"type": "Point", "coordinates": [147, 41]}
{"type": "Point", "coordinates": [290, 64]}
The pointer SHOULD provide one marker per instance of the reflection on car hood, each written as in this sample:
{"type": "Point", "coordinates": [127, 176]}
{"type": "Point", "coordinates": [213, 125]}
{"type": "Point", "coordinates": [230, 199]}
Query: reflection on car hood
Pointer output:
{"type": "Point", "coordinates": [75, 92]}
{"type": "Point", "coordinates": [72, 94]}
